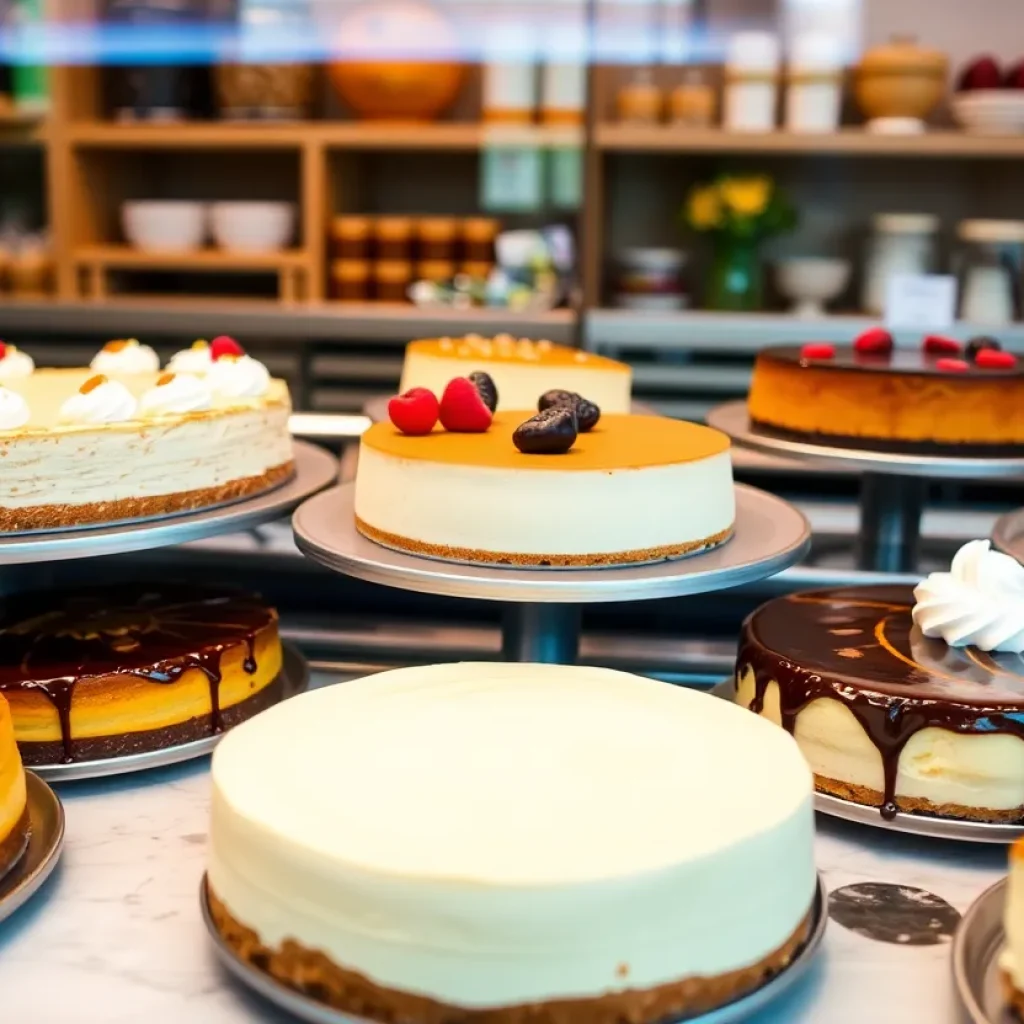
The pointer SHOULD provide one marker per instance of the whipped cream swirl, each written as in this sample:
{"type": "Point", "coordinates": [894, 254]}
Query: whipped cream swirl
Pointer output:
{"type": "Point", "coordinates": [233, 377]}
{"type": "Point", "coordinates": [99, 400]}
{"type": "Point", "coordinates": [176, 393]}
{"type": "Point", "coordinates": [196, 359]}
{"type": "Point", "coordinates": [15, 364]}
{"type": "Point", "coordinates": [978, 603]}
{"type": "Point", "coordinates": [13, 410]}
{"type": "Point", "coordinates": [126, 356]}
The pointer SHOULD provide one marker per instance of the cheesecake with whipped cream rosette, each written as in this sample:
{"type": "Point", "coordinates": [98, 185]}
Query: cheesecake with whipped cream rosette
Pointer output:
{"type": "Point", "coordinates": [123, 439]}
{"type": "Point", "coordinates": [525, 843]}
{"type": "Point", "coordinates": [904, 699]}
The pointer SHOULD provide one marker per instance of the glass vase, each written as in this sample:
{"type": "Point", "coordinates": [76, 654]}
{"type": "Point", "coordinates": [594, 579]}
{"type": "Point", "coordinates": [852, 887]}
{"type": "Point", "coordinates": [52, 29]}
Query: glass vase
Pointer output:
{"type": "Point", "coordinates": [735, 283]}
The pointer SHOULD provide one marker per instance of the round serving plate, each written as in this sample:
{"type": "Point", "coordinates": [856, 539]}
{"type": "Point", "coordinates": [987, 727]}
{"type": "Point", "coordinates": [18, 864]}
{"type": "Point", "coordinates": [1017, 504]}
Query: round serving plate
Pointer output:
{"type": "Point", "coordinates": [732, 419]}
{"type": "Point", "coordinates": [305, 1008]}
{"type": "Point", "coordinates": [770, 535]}
{"type": "Point", "coordinates": [294, 678]}
{"type": "Point", "coordinates": [376, 409]}
{"type": "Point", "coordinates": [1008, 534]}
{"type": "Point", "coordinates": [315, 469]}
{"type": "Point", "coordinates": [46, 838]}
{"type": "Point", "coordinates": [978, 941]}
{"type": "Point", "coordinates": [913, 824]}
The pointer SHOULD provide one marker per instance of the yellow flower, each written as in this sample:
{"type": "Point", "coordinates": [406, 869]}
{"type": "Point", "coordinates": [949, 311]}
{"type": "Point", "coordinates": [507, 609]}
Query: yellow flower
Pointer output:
{"type": "Point", "coordinates": [705, 211]}
{"type": "Point", "coordinates": [746, 197]}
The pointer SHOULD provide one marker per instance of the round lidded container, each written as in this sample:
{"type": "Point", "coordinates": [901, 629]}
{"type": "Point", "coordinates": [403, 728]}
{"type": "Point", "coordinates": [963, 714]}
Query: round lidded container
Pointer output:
{"type": "Point", "coordinates": [435, 270]}
{"type": "Point", "coordinates": [437, 237]}
{"type": "Point", "coordinates": [990, 270]}
{"type": "Point", "coordinates": [897, 85]}
{"type": "Point", "coordinates": [751, 82]}
{"type": "Point", "coordinates": [393, 236]}
{"type": "Point", "coordinates": [350, 280]}
{"type": "Point", "coordinates": [651, 279]}
{"type": "Point", "coordinates": [640, 100]}
{"type": "Point", "coordinates": [350, 237]}
{"type": "Point", "coordinates": [901, 243]}
{"type": "Point", "coordinates": [392, 278]}
{"type": "Point", "coordinates": [815, 84]}
{"type": "Point", "coordinates": [478, 235]}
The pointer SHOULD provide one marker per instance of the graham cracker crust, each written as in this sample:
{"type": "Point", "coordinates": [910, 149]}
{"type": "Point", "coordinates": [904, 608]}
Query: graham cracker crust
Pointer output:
{"type": "Point", "coordinates": [1013, 995]}
{"type": "Point", "coordinates": [97, 748]}
{"type": "Point", "coordinates": [14, 844]}
{"type": "Point", "coordinates": [636, 556]}
{"type": "Point", "coordinates": [315, 975]}
{"type": "Point", "coordinates": [919, 805]}
{"type": "Point", "coordinates": [52, 517]}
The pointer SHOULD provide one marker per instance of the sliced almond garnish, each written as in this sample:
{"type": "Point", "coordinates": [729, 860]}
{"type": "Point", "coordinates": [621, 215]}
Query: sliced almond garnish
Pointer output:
{"type": "Point", "coordinates": [117, 345]}
{"type": "Point", "coordinates": [199, 344]}
{"type": "Point", "coordinates": [164, 378]}
{"type": "Point", "coordinates": [92, 384]}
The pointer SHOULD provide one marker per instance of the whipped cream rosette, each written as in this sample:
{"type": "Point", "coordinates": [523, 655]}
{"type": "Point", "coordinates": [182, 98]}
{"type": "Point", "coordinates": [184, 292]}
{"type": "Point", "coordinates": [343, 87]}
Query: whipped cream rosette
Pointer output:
{"type": "Point", "coordinates": [15, 364]}
{"type": "Point", "coordinates": [238, 377]}
{"type": "Point", "coordinates": [197, 359]}
{"type": "Point", "coordinates": [175, 394]}
{"type": "Point", "coordinates": [978, 603]}
{"type": "Point", "coordinates": [99, 400]}
{"type": "Point", "coordinates": [125, 356]}
{"type": "Point", "coordinates": [14, 411]}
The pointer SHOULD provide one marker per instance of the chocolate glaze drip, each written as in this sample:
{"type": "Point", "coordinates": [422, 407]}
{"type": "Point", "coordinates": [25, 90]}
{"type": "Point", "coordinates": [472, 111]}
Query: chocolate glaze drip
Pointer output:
{"type": "Point", "coordinates": [52, 642]}
{"type": "Point", "coordinates": [859, 646]}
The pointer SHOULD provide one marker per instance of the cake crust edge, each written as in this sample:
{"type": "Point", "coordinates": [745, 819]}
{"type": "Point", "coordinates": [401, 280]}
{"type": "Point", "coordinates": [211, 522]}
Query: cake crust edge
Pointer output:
{"type": "Point", "coordinates": [315, 975]}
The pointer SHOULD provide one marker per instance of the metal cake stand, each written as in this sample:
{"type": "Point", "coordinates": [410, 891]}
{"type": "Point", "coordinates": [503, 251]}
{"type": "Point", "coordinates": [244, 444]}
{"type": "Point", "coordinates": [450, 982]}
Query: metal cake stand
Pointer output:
{"type": "Point", "coordinates": [306, 1008]}
{"type": "Point", "coordinates": [293, 678]}
{"type": "Point", "coordinates": [893, 486]}
{"type": "Point", "coordinates": [46, 840]}
{"type": "Point", "coordinates": [315, 469]}
{"type": "Point", "coordinates": [977, 944]}
{"type": "Point", "coordinates": [542, 616]}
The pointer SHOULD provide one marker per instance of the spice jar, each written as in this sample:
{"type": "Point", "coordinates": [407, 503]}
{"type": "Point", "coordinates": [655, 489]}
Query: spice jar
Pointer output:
{"type": "Point", "coordinates": [692, 103]}
{"type": "Point", "coordinates": [392, 278]}
{"type": "Point", "coordinates": [437, 237]}
{"type": "Point", "coordinates": [350, 237]}
{"type": "Point", "coordinates": [478, 235]}
{"type": "Point", "coordinates": [815, 78]}
{"type": "Point", "coordinates": [394, 237]}
{"type": "Point", "coordinates": [640, 102]}
{"type": "Point", "coordinates": [350, 280]}
{"type": "Point", "coordinates": [751, 82]}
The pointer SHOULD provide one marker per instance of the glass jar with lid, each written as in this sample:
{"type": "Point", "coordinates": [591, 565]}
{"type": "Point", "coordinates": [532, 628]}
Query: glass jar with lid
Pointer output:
{"type": "Point", "coordinates": [989, 264]}
{"type": "Point", "coordinates": [901, 243]}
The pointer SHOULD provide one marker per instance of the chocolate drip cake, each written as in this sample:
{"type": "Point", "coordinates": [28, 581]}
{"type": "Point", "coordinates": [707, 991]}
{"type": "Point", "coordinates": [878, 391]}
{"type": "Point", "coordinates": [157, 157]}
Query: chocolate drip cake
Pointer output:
{"type": "Point", "coordinates": [885, 715]}
{"type": "Point", "coordinates": [121, 670]}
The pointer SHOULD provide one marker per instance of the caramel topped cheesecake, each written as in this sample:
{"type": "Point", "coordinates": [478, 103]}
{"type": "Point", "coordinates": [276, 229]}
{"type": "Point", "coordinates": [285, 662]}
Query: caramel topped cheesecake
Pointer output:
{"type": "Point", "coordinates": [120, 670]}
{"type": "Point", "coordinates": [522, 369]}
{"type": "Point", "coordinates": [14, 826]}
{"type": "Point", "coordinates": [512, 843]}
{"type": "Point", "coordinates": [88, 446]}
{"type": "Point", "coordinates": [632, 489]}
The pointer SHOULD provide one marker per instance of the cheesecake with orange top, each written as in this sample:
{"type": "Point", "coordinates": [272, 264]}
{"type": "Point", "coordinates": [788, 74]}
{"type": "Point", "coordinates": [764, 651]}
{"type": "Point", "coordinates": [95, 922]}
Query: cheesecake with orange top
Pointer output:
{"type": "Point", "coordinates": [522, 370]}
{"type": "Point", "coordinates": [112, 671]}
{"type": "Point", "coordinates": [938, 397]}
{"type": "Point", "coordinates": [632, 489]}
{"type": "Point", "coordinates": [14, 824]}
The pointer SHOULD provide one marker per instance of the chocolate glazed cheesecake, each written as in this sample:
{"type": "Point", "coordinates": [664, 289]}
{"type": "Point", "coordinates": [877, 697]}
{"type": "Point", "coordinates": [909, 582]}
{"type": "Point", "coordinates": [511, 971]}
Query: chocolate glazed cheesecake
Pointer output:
{"type": "Point", "coordinates": [884, 715]}
{"type": "Point", "coordinates": [121, 670]}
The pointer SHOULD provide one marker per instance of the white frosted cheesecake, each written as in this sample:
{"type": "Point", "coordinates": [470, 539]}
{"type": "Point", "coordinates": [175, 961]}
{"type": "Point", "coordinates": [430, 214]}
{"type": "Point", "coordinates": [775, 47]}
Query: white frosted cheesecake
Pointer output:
{"type": "Point", "coordinates": [906, 700]}
{"type": "Point", "coordinates": [634, 489]}
{"type": "Point", "coordinates": [521, 369]}
{"type": "Point", "coordinates": [79, 446]}
{"type": "Point", "coordinates": [508, 842]}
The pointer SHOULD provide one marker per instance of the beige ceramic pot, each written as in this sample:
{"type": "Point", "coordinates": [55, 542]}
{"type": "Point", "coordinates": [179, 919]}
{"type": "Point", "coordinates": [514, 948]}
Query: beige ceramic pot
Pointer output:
{"type": "Point", "coordinates": [900, 80]}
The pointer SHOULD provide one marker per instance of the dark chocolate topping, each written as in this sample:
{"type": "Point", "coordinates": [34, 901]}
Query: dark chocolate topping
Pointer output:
{"type": "Point", "coordinates": [52, 641]}
{"type": "Point", "coordinates": [910, 361]}
{"type": "Point", "coordinates": [859, 646]}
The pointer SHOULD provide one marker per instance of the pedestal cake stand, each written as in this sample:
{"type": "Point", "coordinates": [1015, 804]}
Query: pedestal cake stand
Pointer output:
{"type": "Point", "coordinates": [542, 615]}
{"type": "Point", "coordinates": [893, 486]}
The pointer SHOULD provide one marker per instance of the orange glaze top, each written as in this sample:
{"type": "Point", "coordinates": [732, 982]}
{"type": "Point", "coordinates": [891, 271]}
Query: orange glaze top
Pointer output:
{"type": "Point", "coordinates": [617, 442]}
{"type": "Point", "coordinates": [506, 349]}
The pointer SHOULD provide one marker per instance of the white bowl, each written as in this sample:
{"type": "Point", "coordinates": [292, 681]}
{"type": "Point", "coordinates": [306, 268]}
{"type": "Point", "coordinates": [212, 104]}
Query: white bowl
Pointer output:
{"type": "Point", "coordinates": [811, 282]}
{"type": "Point", "coordinates": [167, 225]}
{"type": "Point", "coordinates": [253, 226]}
{"type": "Point", "coordinates": [990, 111]}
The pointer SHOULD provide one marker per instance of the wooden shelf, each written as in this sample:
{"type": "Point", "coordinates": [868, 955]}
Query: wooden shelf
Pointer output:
{"type": "Point", "coordinates": [123, 257]}
{"type": "Point", "coordinates": [852, 142]}
{"type": "Point", "coordinates": [331, 135]}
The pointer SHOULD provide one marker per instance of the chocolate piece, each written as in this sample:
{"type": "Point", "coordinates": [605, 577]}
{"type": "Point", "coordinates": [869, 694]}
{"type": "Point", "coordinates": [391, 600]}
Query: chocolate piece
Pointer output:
{"type": "Point", "coordinates": [551, 432]}
{"type": "Point", "coordinates": [977, 344]}
{"type": "Point", "coordinates": [859, 646]}
{"type": "Point", "coordinates": [51, 642]}
{"type": "Point", "coordinates": [587, 412]}
{"type": "Point", "coordinates": [485, 385]}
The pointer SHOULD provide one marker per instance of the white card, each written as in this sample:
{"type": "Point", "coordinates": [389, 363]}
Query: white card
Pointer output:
{"type": "Point", "coordinates": [922, 303]}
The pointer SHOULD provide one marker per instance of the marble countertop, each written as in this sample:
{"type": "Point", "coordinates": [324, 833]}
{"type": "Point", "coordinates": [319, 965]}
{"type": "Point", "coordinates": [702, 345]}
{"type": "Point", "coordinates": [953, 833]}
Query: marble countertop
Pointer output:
{"type": "Point", "coordinates": [115, 936]}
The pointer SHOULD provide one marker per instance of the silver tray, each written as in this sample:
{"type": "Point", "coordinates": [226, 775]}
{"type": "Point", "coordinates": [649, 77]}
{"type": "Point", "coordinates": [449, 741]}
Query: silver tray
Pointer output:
{"type": "Point", "coordinates": [315, 469]}
{"type": "Point", "coordinates": [46, 821]}
{"type": "Point", "coordinates": [770, 536]}
{"type": "Point", "coordinates": [294, 676]}
{"type": "Point", "coordinates": [732, 419]}
{"type": "Point", "coordinates": [308, 1009]}
{"type": "Point", "coordinates": [914, 824]}
{"type": "Point", "coordinates": [978, 941]}
{"type": "Point", "coordinates": [376, 408]}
